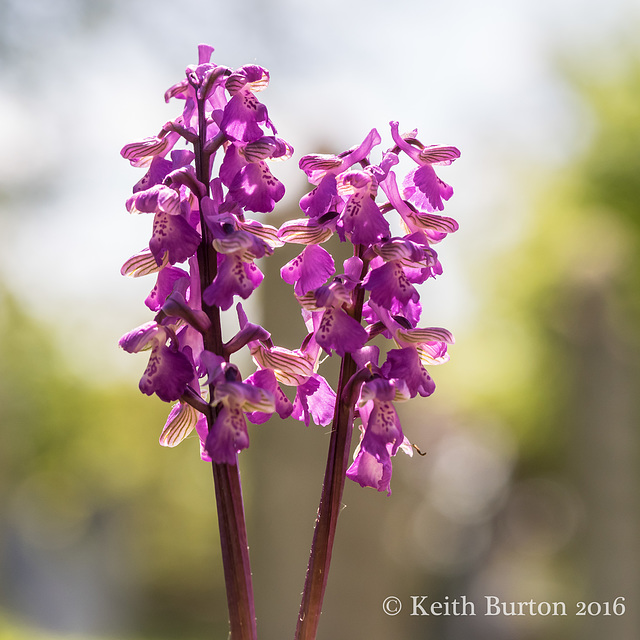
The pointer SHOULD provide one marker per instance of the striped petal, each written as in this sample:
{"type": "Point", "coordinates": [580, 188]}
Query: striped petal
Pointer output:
{"type": "Point", "coordinates": [432, 221]}
{"type": "Point", "coordinates": [234, 242]}
{"type": "Point", "coordinates": [251, 77]}
{"type": "Point", "coordinates": [250, 398]}
{"type": "Point", "coordinates": [289, 367]}
{"type": "Point", "coordinates": [265, 232]}
{"type": "Point", "coordinates": [428, 334]}
{"type": "Point", "coordinates": [308, 301]}
{"type": "Point", "coordinates": [436, 154]}
{"type": "Point", "coordinates": [142, 264]}
{"type": "Point", "coordinates": [319, 163]}
{"type": "Point", "coordinates": [434, 353]}
{"type": "Point", "coordinates": [266, 148]}
{"type": "Point", "coordinates": [399, 250]}
{"type": "Point", "coordinates": [304, 231]}
{"type": "Point", "coordinates": [180, 423]}
{"type": "Point", "coordinates": [140, 154]}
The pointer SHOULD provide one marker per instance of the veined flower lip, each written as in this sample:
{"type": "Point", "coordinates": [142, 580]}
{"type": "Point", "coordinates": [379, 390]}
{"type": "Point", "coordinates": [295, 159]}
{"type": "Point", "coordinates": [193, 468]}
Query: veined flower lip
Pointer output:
{"type": "Point", "coordinates": [433, 154]}
{"type": "Point", "coordinates": [141, 337]}
{"type": "Point", "coordinates": [180, 423]}
{"type": "Point", "coordinates": [317, 166]}
{"type": "Point", "coordinates": [289, 367]}
{"type": "Point", "coordinates": [249, 397]}
{"type": "Point", "coordinates": [143, 263]}
{"type": "Point", "coordinates": [304, 231]}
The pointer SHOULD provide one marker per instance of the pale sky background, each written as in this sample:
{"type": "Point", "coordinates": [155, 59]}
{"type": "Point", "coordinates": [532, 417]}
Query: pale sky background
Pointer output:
{"type": "Point", "coordinates": [81, 79]}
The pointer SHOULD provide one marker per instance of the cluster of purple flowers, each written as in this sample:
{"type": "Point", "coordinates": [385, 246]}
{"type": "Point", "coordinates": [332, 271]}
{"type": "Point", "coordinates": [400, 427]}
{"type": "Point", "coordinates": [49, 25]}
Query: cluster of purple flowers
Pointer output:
{"type": "Point", "coordinates": [377, 285]}
{"type": "Point", "coordinates": [203, 251]}
{"type": "Point", "coordinates": [199, 222]}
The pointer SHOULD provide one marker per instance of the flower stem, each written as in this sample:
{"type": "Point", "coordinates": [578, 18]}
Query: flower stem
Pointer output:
{"type": "Point", "coordinates": [235, 552]}
{"type": "Point", "coordinates": [328, 511]}
{"type": "Point", "coordinates": [226, 477]}
{"type": "Point", "coordinates": [332, 490]}
{"type": "Point", "coordinates": [228, 491]}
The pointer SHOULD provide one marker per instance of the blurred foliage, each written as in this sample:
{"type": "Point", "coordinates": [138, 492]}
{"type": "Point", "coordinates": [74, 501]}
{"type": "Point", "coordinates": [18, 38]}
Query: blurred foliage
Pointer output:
{"type": "Point", "coordinates": [582, 233]}
{"type": "Point", "coordinates": [80, 462]}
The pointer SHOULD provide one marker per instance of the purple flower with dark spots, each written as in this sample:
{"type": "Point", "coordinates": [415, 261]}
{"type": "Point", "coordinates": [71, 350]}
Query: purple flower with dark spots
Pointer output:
{"type": "Point", "coordinates": [405, 364]}
{"type": "Point", "coordinates": [229, 435]}
{"type": "Point", "coordinates": [340, 332]}
{"type": "Point", "coordinates": [314, 400]}
{"type": "Point", "coordinates": [322, 171]}
{"type": "Point", "coordinates": [390, 287]}
{"type": "Point", "coordinates": [234, 277]}
{"type": "Point", "coordinates": [309, 270]}
{"type": "Point", "coordinates": [381, 436]}
{"type": "Point", "coordinates": [245, 172]}
{"type": "Point", "coordinates": [334, 328]}
{"type": "Point", "coordinates": [244, 114]}
{"type": "Point", "coordinates": [422, 186]}
{"type": "Point", "coordinates": [165, 284]}
{"type": "Point", "coordinates": [169, 370]}
{"type": "Point", "coordinates": [362, 219]}
{"type": "Point", "coordinates": [255, 188]}
{"type": "Point", "coordinates": [265, 379]}
{"type": "Point", "coordinates": [173, 236]}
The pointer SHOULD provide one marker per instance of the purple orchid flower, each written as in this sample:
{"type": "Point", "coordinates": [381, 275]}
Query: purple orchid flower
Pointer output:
{"type": "Point", "coordinates": [422, 186]}
{"type": "Point", "coordinates": [169, 371]}
{"type": "Point", "coordinates": [244, 115]}
{"type": "Point", "coordinates": [362, 219]}
{"type": "Point", "coordinates": [309, 270]}
{"type": "Point", "coordinates": [322, 171]}
{"type": "Point", "coordinates": [250, 181]}
{"type": "Point", "coordinates": [229, 435]}
{"type": "Point", "coordinates": [381, 437]}
{"type": "Point", "coordinates": [334, 328]}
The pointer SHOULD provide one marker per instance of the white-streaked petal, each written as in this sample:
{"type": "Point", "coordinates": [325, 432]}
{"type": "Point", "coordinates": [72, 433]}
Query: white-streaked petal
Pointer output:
{"type": "Point", "coordinates": [142, 263]}
{"type": "Point", "coordinates": [319, 162]}
{"type": "Point", "coordinates": [289, 367]}
{"type": "Point", "coordinates": [428, 334]}
{"type": "Point", "coordinates": [308, 301]}
{"type": "Point", "coordinates": [142, 337]}
{"type": "Point", "coordinates": [304, 231]}
{"type": "Point", "coordinates": [180, 423]}
{"type": "Point", "coordinates": [436, 154]}
{"type": "Point", "coordinates": [141, 153]}
{"type": "Point", "coordinates": [432, 221]}
{"type": "Point", "coordinates": [430, 356]}
{"type": "Point", "coordinates": [265, 232]}
{"type": "Point", "coordinates": [235, 241]}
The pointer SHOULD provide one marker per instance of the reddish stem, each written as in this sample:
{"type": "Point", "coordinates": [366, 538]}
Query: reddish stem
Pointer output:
{"type": "Point", "coordinates": [332, 490]}
{"type": "Point", "coordinates": [226, 477]}
{"type": "Point", "coordinates": [328, 511]}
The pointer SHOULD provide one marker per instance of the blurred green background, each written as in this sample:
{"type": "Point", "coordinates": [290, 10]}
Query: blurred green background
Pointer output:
{"type": "Point", "coordinates": [529, 489]}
